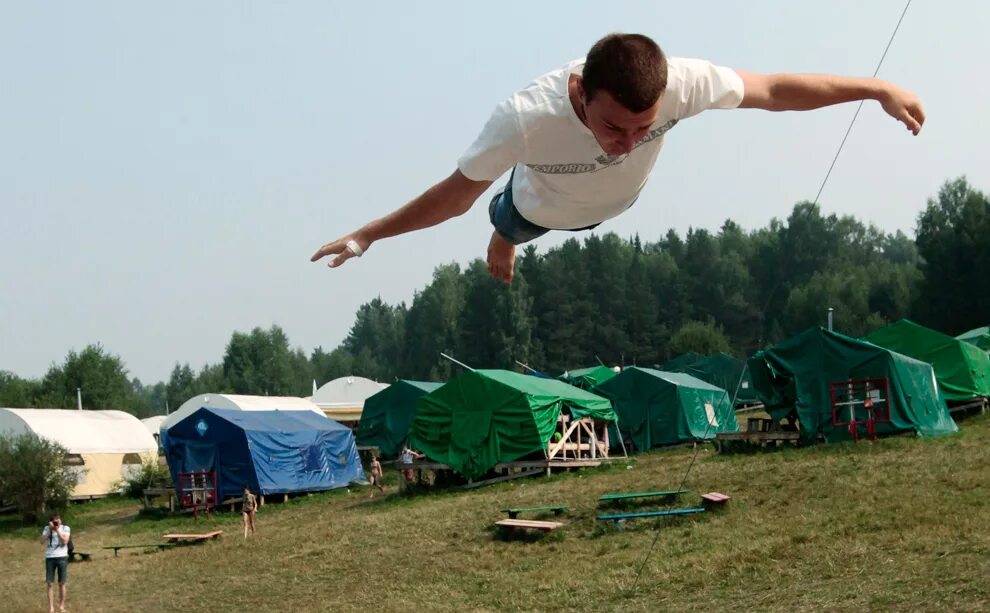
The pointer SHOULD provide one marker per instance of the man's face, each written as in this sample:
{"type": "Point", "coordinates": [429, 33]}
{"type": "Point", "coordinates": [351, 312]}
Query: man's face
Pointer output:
{"type": "Point", "coordinates": [616, 128]}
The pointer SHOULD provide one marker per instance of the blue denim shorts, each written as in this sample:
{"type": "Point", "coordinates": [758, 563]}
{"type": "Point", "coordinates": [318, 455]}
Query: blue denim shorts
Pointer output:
{"type": "Point", "coordinates": [510, 224]}
{"type": "Point", "coordinates": [62, 564]}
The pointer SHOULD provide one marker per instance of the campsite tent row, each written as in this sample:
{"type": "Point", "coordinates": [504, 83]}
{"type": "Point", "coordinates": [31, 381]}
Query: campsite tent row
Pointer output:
{"type": "Point", "coordinates": [486, 417]}
{"type": "Point", "coordinates": [104, 447]}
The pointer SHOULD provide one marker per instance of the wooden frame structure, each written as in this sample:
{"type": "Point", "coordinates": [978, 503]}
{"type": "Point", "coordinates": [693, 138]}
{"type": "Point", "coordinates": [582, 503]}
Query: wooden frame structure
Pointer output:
{"type": "Point", "coordinates": [579, 437]}
{"type": "Point", "coordinates": [582, 443]}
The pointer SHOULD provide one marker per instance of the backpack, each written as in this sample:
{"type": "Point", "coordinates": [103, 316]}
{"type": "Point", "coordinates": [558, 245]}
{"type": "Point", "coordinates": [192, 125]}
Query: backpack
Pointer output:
{"type": "Point", "coordinates": [70, 545]}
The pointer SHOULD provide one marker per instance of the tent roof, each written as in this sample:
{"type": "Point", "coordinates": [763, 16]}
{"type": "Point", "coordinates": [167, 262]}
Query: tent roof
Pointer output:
{"type": "Point", "coordinates": [240, 403]}
{"type": "Point", "coordinates": [154, 423]}
{"type": "Point", "coordinates": [426, 386]}
{"type": "Point", "coordinates": [538, 386]}
{"type": "Point", "coordinates": [276, 420]}
{"type": "Point", "coordinates": [680, 378]}
{"type": "Point", "coordinates": [977, 336]}
{"type": "Point", "coordinates": [346, 392]}
{"type": "Point", "coordinates": [82, 431]}
{"type": "Point", "coordinates": [590, 377]}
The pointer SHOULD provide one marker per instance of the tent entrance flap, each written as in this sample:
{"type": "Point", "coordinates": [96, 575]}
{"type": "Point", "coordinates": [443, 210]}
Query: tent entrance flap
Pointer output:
{"type": "Point", "coordinates": [860, 402]}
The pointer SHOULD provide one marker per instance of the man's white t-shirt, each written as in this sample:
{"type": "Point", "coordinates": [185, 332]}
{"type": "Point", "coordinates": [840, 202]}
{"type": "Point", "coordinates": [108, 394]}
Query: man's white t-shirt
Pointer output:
{"type": "Point", "coordinates": [54, 547]}
{"type": "Point", "coordinates": [563, 179]}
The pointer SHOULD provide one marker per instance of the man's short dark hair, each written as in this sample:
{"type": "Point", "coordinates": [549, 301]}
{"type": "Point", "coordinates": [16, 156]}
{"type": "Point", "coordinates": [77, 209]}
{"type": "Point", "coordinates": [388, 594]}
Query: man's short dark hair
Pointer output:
{"type": "Point", "coordinates": [630, 67]}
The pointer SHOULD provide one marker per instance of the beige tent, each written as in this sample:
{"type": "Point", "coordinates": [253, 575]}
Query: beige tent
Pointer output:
{"type": "Point", "coordinates": [105, 447]}
{"type": "Point", "coordinates": [153, 424]}
{"type": "Point", "coordinates": [239, 403]}
{"type": "Point", "coordinates": [343, 399]}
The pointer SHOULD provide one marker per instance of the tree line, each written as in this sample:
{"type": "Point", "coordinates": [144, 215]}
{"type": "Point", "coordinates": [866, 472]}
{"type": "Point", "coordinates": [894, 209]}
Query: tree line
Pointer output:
{"type": "Point", "coordinates": [601, 299]}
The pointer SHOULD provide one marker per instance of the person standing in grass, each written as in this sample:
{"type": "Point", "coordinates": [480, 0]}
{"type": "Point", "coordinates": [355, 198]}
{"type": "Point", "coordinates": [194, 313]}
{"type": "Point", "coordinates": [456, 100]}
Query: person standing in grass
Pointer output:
{"type": "Point", "coordinates": [248, 508]}
{"type": "Point", "coordinates": [376, 476]}
{"type": "Point", "coordinates": [55, 536]}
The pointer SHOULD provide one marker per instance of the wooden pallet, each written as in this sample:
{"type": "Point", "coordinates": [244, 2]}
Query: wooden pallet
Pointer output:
{"type": "Point", "coordinates": [511, 525]}
{"type": "Point", "coordinates": [192, 538]}
{"type": "Point", "coordinates": [715, 499]}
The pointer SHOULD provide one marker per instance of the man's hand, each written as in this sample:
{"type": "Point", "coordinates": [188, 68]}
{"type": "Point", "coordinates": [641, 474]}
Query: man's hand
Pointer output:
{"type": "Point", "coordinates": [450, 197]}
{"type": "Point", "coordinates": [804, 92]}
{"type": "Point", "coordinates": [341, 249]}
{"type": "Point", "coordinates": [903, 106]}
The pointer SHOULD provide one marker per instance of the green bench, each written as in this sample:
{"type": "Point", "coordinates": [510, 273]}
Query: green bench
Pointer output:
{"type": "Point", "coordinates": [513, 513]}
{"type": "Point", "coordinates": [160, 546]}
{"type": "Point", "coordinates": [618, 518]}
{"type": "Point", "coordinates": [617, 497]}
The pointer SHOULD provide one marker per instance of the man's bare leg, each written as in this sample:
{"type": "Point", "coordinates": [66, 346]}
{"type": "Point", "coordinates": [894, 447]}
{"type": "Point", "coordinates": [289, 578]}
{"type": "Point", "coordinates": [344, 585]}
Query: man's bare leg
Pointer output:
{"type": "Point", "coordinates": [61, 597]}
{"type": "Point", "coordinates": [51, 599]}
{"type": "Point", "coordinates": [501, 258]}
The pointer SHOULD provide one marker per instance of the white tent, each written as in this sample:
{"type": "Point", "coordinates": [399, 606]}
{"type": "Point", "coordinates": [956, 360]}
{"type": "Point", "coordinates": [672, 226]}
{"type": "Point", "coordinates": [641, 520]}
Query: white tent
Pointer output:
{"type": "Point", "coordinates": [104, 446]}
{"type": "Point", "coordinates": [343, 399]}
{"type": "Point", "coordinates": [240, 403]}
{"type": "Point", "coordinates": [153, 424]}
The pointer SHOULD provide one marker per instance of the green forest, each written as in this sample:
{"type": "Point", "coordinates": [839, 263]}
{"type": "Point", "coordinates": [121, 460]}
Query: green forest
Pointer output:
{"type": "Point", "coordinates": [620, 301]}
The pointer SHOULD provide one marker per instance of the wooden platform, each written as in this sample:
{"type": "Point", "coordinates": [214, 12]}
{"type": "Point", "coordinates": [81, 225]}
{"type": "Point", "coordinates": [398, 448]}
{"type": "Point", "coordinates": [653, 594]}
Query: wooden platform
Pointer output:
{"type": "Point", "coordinates": [715, 499]}
{"type": "Point", "coordinates": [511, 525]}
{"type": "Point", "coordinates": [192, 538]}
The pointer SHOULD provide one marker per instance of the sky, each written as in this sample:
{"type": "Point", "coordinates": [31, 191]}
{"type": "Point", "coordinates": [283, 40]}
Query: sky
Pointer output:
{"type": "Point", "coordinates": [167, 169]}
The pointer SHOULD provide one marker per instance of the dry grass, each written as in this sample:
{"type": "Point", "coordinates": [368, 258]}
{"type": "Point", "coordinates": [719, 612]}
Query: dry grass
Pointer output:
{"type": "Point", "coordinates": [897, 525]}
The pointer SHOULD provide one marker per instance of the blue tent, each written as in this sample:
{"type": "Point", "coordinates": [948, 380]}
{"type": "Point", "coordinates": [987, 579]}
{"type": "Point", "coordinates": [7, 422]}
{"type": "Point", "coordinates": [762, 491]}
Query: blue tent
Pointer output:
{"type": "Point", "coordinates": [273, 452]}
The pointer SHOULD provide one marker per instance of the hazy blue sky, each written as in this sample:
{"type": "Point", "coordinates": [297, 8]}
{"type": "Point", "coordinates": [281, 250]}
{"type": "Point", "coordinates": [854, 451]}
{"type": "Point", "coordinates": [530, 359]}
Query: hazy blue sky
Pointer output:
{"type": "Point", "coordinates": [166, 169]}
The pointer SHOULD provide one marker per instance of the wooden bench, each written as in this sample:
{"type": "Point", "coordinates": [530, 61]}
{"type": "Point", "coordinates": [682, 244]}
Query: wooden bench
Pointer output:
{"type": "Point", "coordinates": [618, 518]}
{"type": "Point", "coordinates": [511, 525]}
{"type": "Point", "coordinates": [84, 557]}
{"type": "Point", "coordinates": [615, 497]}
{"type": "Point", "coordinates": [513, 513]}
{"type": "Point", "coordinates": [192, 538]}
{"type": "Point", "coordinates": [715, 499]}
{"type": "Point", "coordinates": [160, 546]}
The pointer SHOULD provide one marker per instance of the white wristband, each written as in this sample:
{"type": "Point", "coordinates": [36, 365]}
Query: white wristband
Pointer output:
{"type": "Point", "coordinates": [355, 248]}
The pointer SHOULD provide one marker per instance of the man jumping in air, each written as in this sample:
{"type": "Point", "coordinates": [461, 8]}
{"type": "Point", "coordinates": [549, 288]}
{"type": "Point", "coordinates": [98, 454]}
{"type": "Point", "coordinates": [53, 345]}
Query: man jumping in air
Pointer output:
{"type": "Point", "coordinates": [581, 141]}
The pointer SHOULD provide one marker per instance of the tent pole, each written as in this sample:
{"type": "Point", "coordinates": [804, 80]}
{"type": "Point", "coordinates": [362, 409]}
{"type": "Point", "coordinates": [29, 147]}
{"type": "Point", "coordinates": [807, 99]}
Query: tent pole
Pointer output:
{"type": "Point", "coordinates": [462, 364]}
{"type": "Point", "coordinates": [739, 384]}
{"type": "Point", "coordinates": [526, 367]}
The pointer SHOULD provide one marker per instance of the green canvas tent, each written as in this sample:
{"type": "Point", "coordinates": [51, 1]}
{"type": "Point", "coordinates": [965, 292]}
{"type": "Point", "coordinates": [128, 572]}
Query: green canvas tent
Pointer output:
{"type": "Point", "coordinates": [679, 363]}
{"type": "Point", "coordinates": [962, 370]}
{"type": "Point", "coordinates": [721, 370]}
{"type": "Point", "coordinates": [485, 417]}
{"type": "Point", "coordinates": [587, 378]}
{"type": "Point", "coordinates": [388, 414]}
{"type": "Point", "coordinates": [659, 408]}
{"type": "Point", "coordinates": [796, 375]}
{"type": "Point", "coordinates": [978, 336]}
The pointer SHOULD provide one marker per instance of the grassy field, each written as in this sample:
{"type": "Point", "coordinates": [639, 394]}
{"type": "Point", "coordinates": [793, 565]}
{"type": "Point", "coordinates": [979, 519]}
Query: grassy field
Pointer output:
{"type": "Point", "coordinates": [897, 525]}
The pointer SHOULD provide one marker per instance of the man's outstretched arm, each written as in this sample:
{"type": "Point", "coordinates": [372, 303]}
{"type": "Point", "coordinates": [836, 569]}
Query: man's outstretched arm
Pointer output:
{"type": "Point", "coordinates": [449, 198]}
{"type": "Point", "coordinates": [804, 92]}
